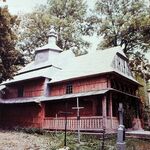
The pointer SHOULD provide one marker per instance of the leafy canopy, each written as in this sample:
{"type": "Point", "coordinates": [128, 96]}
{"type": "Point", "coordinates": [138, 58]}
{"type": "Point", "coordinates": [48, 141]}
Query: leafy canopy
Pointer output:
{"type": "Point", "coordinates": [128, 22]}
{"type": "Point", "coordinates": [67, 16]}
{"type": "Point", "coordinates": [10, 58]}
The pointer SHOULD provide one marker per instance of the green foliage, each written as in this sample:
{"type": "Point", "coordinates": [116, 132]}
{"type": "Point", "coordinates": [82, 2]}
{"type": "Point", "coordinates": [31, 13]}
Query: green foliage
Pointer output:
{"type": "Point", "coordinates": [129, 115]}
{"type": "Point", "coordinates": [144, 99]}
{"type": "Point", "coordinates": [146, 117]}
{"type": "Point", "coordinates": [126, 22]}
{"type": "Point", "coordinates": [50, 140]}
{"type": "Point", "coordinates": [67, 16]}
{"type": "Point", "coordinates": [10, 58]}
{"type": "Point", "coordinates": [142, 91]}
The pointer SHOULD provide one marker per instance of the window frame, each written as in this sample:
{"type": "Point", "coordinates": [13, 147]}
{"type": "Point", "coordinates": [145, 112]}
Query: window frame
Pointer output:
{"type": "Point", "coordinates": [20, 91]}
{"type": "Point", "coordinates": [69, 88]}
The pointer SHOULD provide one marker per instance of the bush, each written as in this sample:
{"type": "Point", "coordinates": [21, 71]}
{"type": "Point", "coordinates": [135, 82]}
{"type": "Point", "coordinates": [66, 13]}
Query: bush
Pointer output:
{"type": "Point", "coordinates": [30, 130]}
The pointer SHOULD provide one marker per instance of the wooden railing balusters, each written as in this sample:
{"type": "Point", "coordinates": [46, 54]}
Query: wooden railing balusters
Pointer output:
{"type": "Point", "coordinates": [94, 122]}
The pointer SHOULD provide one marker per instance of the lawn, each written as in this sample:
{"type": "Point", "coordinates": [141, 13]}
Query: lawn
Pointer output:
{"type": "Point", "coordinates": [14, 140]}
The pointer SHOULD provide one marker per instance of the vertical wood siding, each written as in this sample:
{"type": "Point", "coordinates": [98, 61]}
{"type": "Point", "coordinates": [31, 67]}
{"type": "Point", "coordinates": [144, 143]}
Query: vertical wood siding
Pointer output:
{"type": "Point", "coordinates": [84, 85]}
{"type": "Point", "coordinates": [30, 89]}
{"type": "Point", "coordinates": [22, 115]}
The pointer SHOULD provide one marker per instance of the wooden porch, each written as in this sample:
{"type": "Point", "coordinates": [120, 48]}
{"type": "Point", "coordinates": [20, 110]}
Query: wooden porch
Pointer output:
{"type": "Point", "coordinates": [96, 115]}
{"type": "Point", "coordinates": [93, 123]}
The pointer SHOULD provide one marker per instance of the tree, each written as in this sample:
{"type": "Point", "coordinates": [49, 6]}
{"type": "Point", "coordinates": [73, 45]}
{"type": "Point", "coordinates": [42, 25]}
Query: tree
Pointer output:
{"type": "Point", "coordinates": [10, 58]}
{"type": "Point", "coordinates": [67, 16]}
{"type": "Point", "coordinates": [126, 21]}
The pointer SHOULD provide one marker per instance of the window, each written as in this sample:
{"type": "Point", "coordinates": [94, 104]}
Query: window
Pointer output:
{"type": "Point", "coordinates": [20, 91]}
{"type": "Point", "coordinates": [69, 89]}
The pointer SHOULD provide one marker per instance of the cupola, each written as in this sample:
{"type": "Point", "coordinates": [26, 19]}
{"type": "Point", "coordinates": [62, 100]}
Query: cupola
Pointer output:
{"type": "Point", "coordinates": [48, 51]}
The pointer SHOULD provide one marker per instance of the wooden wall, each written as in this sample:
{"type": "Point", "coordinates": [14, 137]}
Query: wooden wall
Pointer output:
{"type": "Point", "coordinates": [79, 86]}
{"type": "Point", "coordinates": [30, 89]}
{"type": "Point", "coordinates": [22, 115]}
{"type": "Point", "coordinates": [34, 88]}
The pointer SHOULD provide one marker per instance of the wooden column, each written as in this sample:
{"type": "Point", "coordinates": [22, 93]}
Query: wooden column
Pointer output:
{"type": "Point", "coordinates": [42, 115]}
{"type": "Point", "coordinates": [104, 111]}
{"type": "Point", "coordinates": [110, 107]}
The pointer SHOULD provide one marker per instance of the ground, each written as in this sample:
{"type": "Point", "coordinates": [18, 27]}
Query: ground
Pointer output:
{"type": "Point", "coordinates": [14, 140]}
{"type": "Point", "coordinates": [23, 141]}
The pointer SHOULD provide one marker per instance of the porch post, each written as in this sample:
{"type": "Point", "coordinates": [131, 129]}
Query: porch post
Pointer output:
{"type": "Point", "coordinates": [138, 116]}
{"type": "Point", "coordinates": [42, 115]}
{"type": "Point", "coordinates": [110, 107]}
{"type": "Point", "coordinates": [104, 111]}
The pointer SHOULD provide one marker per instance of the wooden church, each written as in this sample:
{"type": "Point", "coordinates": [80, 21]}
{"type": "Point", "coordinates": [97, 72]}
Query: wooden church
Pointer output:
{"type": "Point", "coordinates": [56, 80]}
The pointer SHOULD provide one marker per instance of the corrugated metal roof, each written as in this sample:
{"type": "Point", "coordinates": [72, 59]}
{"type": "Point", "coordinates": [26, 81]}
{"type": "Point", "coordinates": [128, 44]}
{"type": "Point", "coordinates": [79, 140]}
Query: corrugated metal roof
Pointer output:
{"type": "Point", "coordinates": [95, 62]}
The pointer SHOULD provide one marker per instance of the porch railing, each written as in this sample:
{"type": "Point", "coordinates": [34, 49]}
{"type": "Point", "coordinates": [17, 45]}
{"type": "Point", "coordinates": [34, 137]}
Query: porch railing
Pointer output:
{"type": "Point", "coordinates": [86, 123]}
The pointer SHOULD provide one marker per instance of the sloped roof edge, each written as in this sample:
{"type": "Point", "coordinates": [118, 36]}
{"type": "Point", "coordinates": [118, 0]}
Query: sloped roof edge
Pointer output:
{"type": "Point", "coordinates": [16, 81]}
{"type": "Point", "coordinates": [66, 96]}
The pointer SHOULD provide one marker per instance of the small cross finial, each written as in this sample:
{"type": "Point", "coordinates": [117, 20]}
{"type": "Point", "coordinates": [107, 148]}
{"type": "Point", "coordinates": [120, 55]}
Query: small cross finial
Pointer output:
{"type": "Point", "coordinates": [52, 32]}
{"type": "Point", "coordinates": [52, 36]}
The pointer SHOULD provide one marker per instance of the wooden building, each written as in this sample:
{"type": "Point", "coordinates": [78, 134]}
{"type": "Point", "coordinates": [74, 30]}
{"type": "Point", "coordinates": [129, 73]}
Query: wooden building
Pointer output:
{"type": "Point", "coordinates": [53, 82]}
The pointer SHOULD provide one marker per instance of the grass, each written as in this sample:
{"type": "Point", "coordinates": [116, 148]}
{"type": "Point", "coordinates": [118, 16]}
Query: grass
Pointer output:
{"type": "Point", "coordinates": [89, 142]}
{"type": "Point", "coordinates": [41, 140]}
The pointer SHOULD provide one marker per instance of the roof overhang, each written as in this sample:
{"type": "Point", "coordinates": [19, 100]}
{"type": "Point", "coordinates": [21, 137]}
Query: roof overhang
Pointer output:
{"type": "Point", "coordinates": [20, 100]}
{"type": "Point", "coordinates": [81, 77]}
{"type": "Point", "coordinates": [21, 80]}
{"type": "Point", "coordinates": [127, 78]}
{"type": "Point", "coordinates": [130, 95]}
{"type": "Point", "coordinates": [68, 96]}
{"type": "Point", "coordinates": [51, 98]}
{"type": "Point", "coordinates": [2, 87]}
{"type": "Point", "coordinates": [94, 75]}
{"type": "Point", "coordinates": [40, 99]}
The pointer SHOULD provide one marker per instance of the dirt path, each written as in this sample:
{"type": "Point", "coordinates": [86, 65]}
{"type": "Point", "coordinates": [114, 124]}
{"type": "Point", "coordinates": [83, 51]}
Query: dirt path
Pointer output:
{"type": "Point", "coordinates": [23, 141]}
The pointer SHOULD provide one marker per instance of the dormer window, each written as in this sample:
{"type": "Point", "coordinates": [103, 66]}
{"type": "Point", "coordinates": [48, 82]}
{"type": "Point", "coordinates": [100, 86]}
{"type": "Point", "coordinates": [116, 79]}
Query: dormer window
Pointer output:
{"type": "Point", "coordinates": [20, 91]}
{"type": "Point", "coordinates": [69, 88]}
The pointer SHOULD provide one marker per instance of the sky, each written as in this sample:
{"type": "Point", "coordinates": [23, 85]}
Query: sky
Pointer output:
{"type": "Point", "coordinates": [25, 6]}
{"type": "Point", "coordinates": [22, 6]}
{"type": "Point", "coordinates": [17, 6]}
